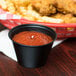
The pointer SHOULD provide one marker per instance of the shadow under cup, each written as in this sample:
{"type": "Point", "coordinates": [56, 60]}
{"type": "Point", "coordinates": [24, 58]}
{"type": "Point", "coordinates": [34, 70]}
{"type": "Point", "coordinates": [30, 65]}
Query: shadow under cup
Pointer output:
{"type": "Point", "coordinates": [32, 56]}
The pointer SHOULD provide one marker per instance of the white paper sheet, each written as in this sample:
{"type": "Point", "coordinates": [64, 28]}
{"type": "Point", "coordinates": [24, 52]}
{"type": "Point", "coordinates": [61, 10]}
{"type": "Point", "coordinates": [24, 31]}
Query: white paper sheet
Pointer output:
{"type": "Point", "coordinates": [7, 48]}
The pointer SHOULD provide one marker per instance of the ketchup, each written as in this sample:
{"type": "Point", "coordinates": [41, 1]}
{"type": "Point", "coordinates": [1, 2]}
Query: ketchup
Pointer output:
{"type": "Point", "coordinates": [32, 38]}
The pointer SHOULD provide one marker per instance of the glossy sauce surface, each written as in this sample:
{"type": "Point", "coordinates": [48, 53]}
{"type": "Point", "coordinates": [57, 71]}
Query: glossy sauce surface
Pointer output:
{"type": "Point", "coordinates": [32, 38]}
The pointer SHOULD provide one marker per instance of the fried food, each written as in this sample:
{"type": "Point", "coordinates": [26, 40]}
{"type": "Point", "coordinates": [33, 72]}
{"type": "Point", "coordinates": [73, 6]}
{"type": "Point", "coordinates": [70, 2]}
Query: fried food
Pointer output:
{"type": "Point", "coordinates": [52, 11]}
{"type": "Point", "coordinates": [24, 9]}
{"type": "Point", "coordinates": [68, 18]}
{"type": "Point", "coordinates": [21, 2]}
{"type": "Point", "coordinates": [48, 7]}
{"type": "Point", "coordinates": [3, 4]}
{"type": "Point", "coordinates": [65, 6]}
{"type": "Point", "coordinates": [10, 6]}
{"type": "Point", "coordinates": [44, 7]}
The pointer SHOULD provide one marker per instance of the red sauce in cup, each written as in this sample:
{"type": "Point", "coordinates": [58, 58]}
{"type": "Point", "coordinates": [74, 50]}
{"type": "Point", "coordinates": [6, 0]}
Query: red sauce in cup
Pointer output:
{"type": "Point", "coordinates": [32, 38]}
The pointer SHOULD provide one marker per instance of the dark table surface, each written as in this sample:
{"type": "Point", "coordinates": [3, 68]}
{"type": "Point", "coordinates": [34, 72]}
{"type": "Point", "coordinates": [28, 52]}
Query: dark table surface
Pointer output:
{"type": "Point", "coordinates": [61, 62]}
{"type": "Point", "coordinates": [2, 27]}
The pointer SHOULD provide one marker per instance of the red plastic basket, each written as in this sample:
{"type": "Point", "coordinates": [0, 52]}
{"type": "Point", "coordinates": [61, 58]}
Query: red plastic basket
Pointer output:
{"type": "Point", "coordinates": [62, 30]}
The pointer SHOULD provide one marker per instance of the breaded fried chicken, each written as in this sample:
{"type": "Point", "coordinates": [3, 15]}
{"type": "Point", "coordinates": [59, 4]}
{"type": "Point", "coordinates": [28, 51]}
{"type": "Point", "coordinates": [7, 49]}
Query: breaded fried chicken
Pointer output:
{"type": "Point", "coordinates": [47, 7]}
{"type": "Point", "coordinates": [66, 6]}
{"type": "Point", "coordinates": [44, 7]}
{"type": "Point", "coordinates": [20, 2]}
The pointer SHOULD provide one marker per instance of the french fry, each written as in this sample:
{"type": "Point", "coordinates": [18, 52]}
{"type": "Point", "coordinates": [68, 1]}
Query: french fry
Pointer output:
{"type": "Point", "coordinates": [3, 4]}
{"type": "Point", "coordinates": [52, 20]}
{"type": "Point", "coordinates": [30, 17]}
{"type": "Point", "coordinates": [10, 7]}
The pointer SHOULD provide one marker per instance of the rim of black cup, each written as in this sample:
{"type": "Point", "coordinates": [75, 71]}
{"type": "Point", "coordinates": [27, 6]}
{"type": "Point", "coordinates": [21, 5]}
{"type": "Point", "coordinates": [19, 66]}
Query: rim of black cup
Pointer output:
{"type": "Point", "coordinates": [34, 25]}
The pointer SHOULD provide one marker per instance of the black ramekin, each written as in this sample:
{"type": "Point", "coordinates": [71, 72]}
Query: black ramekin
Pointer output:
{"type": "Point", "coordinates": [32, 56]}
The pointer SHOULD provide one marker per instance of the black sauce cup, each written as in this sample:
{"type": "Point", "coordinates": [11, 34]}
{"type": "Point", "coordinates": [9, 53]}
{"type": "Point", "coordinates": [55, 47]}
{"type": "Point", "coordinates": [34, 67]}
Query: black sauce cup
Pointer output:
{"type": "Point", "coordinates": [32, 56]}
